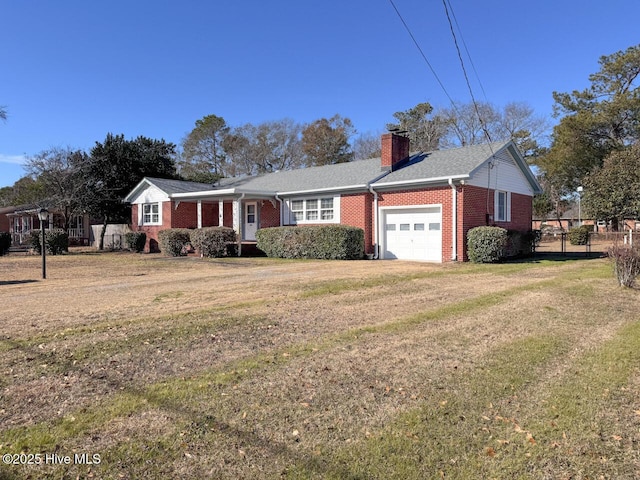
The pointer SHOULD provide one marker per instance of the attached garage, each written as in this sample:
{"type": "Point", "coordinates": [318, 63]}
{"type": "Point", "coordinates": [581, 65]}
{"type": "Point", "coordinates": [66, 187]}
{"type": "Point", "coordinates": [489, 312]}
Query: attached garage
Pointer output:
{"type": "Point", "coordinates": [412, 233]}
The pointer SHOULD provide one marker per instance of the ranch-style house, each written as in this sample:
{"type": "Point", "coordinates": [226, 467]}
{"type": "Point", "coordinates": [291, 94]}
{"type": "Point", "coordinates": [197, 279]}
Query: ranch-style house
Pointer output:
{"type": "Point", "coordinates": [411, 206]}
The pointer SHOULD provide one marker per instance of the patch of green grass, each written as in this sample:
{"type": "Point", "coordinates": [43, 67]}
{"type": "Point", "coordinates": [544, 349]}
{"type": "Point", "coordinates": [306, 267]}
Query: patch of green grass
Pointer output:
{"type": "Point", "coordinates": [168, 296]}
{"type": "Point", "coordinates": [586, 421]}
{"type": "Point", "coordinates": [445, 437]}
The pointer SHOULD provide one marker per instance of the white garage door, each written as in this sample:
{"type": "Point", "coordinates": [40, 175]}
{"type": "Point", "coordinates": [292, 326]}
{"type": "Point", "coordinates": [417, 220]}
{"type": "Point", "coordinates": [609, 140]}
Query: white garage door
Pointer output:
{"type": "Point", "coordinates": [413, 234]}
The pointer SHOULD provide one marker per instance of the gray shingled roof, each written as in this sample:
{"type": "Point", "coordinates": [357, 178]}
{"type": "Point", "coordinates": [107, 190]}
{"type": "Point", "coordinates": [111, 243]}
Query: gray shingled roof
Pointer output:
{"type": "Point", "coordinates": [338, 176]}
{"type": "Point", "coordinates": [439, 164]}
{"type": "Point", "coordinates": [178, 186]}
{"type": "Point", "coordinates": [454, 162]}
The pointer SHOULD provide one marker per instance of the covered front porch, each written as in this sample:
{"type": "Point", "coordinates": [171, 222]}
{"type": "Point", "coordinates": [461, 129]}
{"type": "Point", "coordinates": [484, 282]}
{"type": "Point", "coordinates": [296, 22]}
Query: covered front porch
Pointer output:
{"type": "Point", "coordinates": [245, 214]}
{"type": "Point", "coordinates": [23, 220]}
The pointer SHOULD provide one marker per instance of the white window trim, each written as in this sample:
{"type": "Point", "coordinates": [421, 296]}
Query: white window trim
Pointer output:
{"type": "Point", "coordinates": [141, 221]}
{"type": "Point", "coordinates": [507, 212]}
{"type": "Point", "coordinates": [291, 214]}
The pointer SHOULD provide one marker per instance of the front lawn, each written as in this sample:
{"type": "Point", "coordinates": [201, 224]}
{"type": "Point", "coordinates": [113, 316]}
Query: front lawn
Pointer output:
{"type": "Point", "coordinates": [258, 368]}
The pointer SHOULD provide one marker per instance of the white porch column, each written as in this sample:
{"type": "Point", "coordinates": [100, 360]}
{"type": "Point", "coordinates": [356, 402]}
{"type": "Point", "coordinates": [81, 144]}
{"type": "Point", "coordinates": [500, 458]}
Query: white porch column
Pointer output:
{"type": "Point", "coordinates": [220, 213]}
{"type": "Point", "coordinates": [237, 221]}
{"type": "Point", "coordinates": [199, 208]}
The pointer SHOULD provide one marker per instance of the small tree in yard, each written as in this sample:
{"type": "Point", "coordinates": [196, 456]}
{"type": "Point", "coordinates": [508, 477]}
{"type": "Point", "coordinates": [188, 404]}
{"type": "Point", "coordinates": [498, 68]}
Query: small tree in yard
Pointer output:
{"type": "Point", "coordinates": [626, 263]}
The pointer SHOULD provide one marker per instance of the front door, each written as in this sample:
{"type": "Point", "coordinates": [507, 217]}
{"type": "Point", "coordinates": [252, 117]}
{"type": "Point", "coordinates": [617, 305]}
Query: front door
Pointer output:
{"type": "Point", "coordinates": [250, 220]}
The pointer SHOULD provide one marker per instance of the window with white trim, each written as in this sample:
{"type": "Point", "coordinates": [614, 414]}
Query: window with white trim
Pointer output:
{"type": "Point", "coordinates": [502, 211]}
{"type": "Point", "coordinates": [313, 210]}
{"type": "Point", "coordinates": [151, 214]}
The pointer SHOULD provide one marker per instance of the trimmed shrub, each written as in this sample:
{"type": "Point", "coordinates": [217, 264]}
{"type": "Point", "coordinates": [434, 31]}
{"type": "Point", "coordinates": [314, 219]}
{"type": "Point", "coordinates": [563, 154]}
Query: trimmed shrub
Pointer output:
{"type": "Point", "coordinates": [34, 241]}
{"type": "Point", "coordinates": [212, 241]}
{"type": "Point", "coordinates": [579, 235]}
{"type": "Point", "coordinates": [626, 263]}
{"type": "Point", "coordinates": [173, 241]}
{"type": "Point", "coordinates": [135, 241]}
{"type": "Point", "coordinates": [486, 244]}
{"type": "Point", "coordinates": [57, 241]}
{"type": "Point", "coordinates": [328, 242]}
{"type": "Point", "coordinates": [521, 244]}
{"type": "Point", "coordinates": [5, 242]}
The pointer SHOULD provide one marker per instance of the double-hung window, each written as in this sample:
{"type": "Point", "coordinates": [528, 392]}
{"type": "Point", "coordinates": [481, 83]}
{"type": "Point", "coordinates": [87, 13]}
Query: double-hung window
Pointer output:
{"type": "Point", "coordinates": [151, 214]}
{"type": "Point", "coordinates": [502, 211]}
{"type": "Point", "coordinates": [313, 210]}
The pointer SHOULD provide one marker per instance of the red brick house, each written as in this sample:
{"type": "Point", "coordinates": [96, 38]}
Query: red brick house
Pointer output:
{"type": "Point", "coordinates": [414, 207]}
{"type": "Point", "coordinates": [24, 218]}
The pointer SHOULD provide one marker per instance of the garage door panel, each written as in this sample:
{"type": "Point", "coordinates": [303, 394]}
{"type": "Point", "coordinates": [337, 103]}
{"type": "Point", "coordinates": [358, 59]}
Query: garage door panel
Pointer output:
{"type": "Point", "coordinates": [413, 234]}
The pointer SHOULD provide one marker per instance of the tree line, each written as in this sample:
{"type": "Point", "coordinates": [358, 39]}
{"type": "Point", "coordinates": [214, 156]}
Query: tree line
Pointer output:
{"type": "Point", "coordinates": [594, 145]}
{"type": "Point", "coordinates": [74, 181]}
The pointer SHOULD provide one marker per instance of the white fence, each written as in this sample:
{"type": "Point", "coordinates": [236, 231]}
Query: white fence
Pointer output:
{"type": "Point", "coordinates": [113, 237]}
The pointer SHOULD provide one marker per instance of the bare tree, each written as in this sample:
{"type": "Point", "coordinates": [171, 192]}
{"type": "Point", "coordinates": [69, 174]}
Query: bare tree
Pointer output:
{"type": "Point", "coordinates": [470, 124]}
{"type": "Point", "coordinates": [267, 147]}
{"type": "Point", "coordinates": [57, 170]}
{"type": "Point", "coordinates": [367, 145]}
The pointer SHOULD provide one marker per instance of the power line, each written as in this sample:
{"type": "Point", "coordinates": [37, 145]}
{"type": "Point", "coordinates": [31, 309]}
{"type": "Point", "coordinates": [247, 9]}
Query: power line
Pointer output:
{"type": "Point", "coordinates": [453, 14]}
{"type": "Point", "coordinates": [424, 57]}
{"type": "Point", "coordinates": [466, 77]}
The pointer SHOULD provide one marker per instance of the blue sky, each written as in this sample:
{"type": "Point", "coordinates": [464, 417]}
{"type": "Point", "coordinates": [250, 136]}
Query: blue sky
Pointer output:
{"type": "Point", "coordinates": [73, 71]}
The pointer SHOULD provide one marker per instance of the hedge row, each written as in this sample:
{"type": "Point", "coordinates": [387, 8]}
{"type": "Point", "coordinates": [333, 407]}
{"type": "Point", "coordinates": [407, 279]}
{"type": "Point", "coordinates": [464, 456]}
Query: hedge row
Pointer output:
{"type": "Point", "coordinates": [330, 242]}
{"type": "Point", "coordinates": [209, 241]}
{"type": "Point", "coordinates": [213, 241]}
{"type": "Point", "coordinates": [173, 241]}
{"type": "Point", "coordinates": [56, 240]}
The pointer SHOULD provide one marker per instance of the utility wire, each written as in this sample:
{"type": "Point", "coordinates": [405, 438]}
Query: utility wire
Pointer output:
{"type": "Point", "coordinates": [424, 57]}
{"type": "Point", "coordinates": [475, 106]}
{"type": "Point", "coordinates": [453, 14]}
{"type": "Point", "coordinates": [466, 77]}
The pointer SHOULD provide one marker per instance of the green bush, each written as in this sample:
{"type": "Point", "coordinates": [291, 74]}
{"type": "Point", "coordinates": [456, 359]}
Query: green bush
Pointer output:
{"type": "Point", "coordinates": [486, 244]}
{"type": "Point", "coordinates": [521, 244]}
{"type": "Point", "coordinates": [57, 241]}
{"type": "Point", "coordinates": [34, 241]}
{"type": "Point", "coordinates": [626, 263]}
{"type": "Point", "coordinates": [135, 241]}
{"type": "Point", "coordinates": [5, 242]}
{"type": "Point", "coordinates": [330, 242]}
{"type": "Point", "coordinates": [579, 235]}
{"type": "Point", "coordinates": [173, 241]}
{"type": "Point", "coordinates": [212, 241]}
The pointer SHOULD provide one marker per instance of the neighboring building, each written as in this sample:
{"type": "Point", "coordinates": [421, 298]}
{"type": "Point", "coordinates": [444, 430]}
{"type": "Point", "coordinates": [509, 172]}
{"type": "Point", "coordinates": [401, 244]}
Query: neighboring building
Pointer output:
{"type": "Point", "coordinates": [416, 207]}
{"type": "Point", "coordinates": [22, 219]}
{"type": "Point", "coordinates": [573, 217]}
{"type": "Point", "coordinates": [4, 220]}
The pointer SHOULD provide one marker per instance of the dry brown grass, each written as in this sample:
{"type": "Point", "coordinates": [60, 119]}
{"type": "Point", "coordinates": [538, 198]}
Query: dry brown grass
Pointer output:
{"type": "Point", "coordinates": [258, 368]}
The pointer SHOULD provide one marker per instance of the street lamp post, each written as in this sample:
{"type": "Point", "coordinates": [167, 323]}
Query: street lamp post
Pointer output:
{"type": "Point", "coordinates": [43, 215]}
{"type": "Point", "coordinates": [579, 189]}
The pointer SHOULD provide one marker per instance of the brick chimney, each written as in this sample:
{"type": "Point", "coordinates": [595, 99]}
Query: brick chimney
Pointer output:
{"type": "Point", "coordinates": [395, 149]}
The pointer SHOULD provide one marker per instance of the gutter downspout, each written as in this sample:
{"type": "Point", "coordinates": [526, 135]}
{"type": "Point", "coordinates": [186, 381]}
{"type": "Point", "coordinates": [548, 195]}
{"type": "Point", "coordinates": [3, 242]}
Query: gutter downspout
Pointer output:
{"type": "Point", "coordinates": [454, 221]}
{"type": "Point", "coordinates": [376, 219]}
{"type": "Point", "coordinates": [281, 212]}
